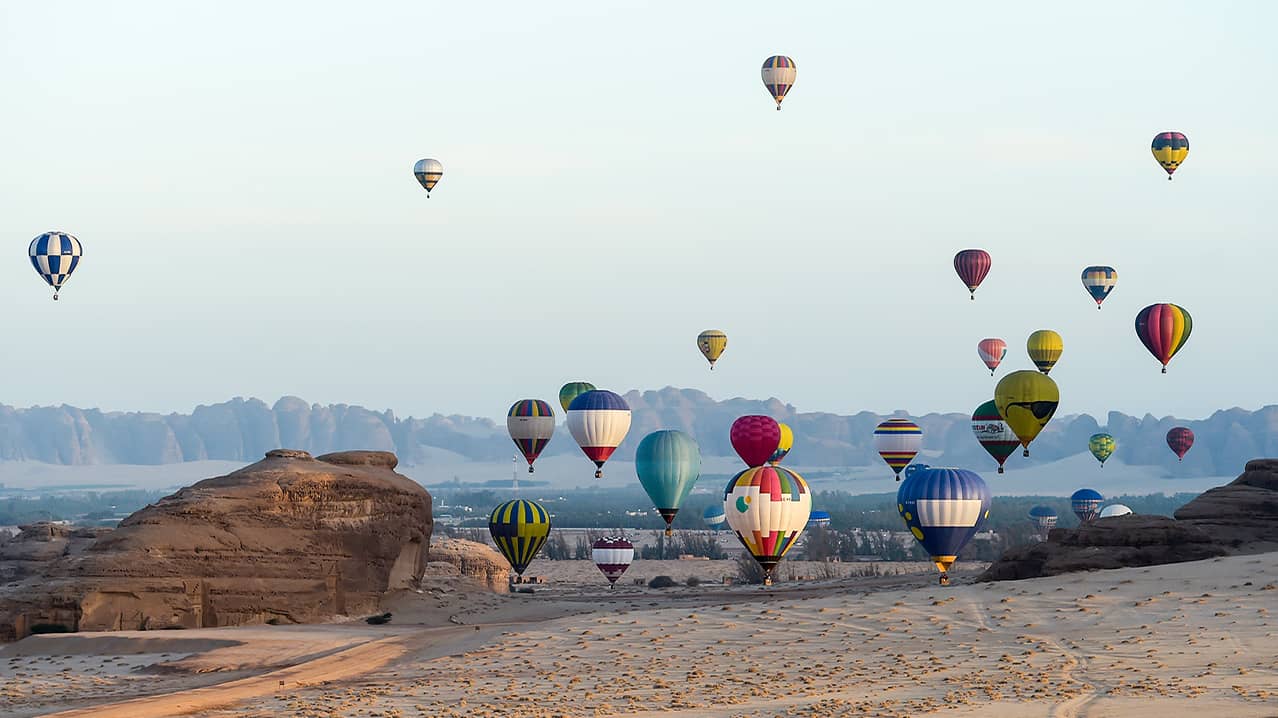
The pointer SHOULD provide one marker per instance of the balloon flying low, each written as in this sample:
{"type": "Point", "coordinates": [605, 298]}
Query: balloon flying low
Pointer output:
{"type": "Point", "coordinates": [612, 556]}
{"type": "Point", "coordinates": [1114, 510]}
{"type": "Point", "coordinates": [1180, 440]}
{"type": "Point", "coordinates": [1044, 517]}
{"type": "Point", "coordinates": [1086, 503]}
{"type": "Point", "coordinates": [714, 517]}
{"type": "Point", "coordinates": [531, 423]}
{"type": "Point", "coordinates": [993, 434]}
{"type": "Point", "coordinates": [898, 441]}
{"type": "Point", "coordinates": [943, 509]}
{"type": "Point", "coordinates": [572, 390]}
{"type": "Point", "coordinates": [668, 464]}
{"type": "Point", "coordinates": [599, 420]}
{"type": "Point", "coordinates": [1026, 400]}
{"type": "Point", "coordinates": [755, 438]}
{"type": "Point", "coordinates": [519, 528]}
{"type": "Point", "coordinates": [768, 508]}
{"type": "Point", "coordinates": [784, 445]}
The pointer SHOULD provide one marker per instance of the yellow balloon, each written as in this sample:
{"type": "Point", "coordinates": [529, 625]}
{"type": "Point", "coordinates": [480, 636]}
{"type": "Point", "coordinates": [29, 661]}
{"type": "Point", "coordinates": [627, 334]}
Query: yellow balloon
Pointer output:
{"type": "Point", "coordinates": [1026, 400]}
{"type": "Point", "coordinates": [784, 445]}
{"type": "Point", "coordinates": [712, 342]}
{"type": "Point", "coordinates": [1045, 347]}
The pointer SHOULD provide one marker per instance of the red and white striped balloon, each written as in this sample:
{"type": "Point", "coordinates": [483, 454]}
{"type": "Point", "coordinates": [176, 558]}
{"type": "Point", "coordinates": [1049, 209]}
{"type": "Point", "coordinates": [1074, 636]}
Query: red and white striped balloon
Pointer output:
{"type": "Point", "coordinates": [612, 555]}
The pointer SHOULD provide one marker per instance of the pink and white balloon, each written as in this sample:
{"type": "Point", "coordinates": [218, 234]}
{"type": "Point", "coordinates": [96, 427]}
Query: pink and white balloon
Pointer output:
{"type": "Point", "coordinates": [612, 556]}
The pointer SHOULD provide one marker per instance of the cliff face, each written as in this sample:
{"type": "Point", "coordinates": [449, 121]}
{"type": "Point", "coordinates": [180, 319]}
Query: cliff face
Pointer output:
{"type": "Point", "coordinates": [291, 538]}
{"type": "Point", "coordinates": [241, 429]}
{"type": "Point", "coordinates": [1241, 517]}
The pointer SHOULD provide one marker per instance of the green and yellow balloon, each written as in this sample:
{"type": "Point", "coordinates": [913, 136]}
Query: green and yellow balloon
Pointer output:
{"type": "Point", "coordinates": [1102, 447]}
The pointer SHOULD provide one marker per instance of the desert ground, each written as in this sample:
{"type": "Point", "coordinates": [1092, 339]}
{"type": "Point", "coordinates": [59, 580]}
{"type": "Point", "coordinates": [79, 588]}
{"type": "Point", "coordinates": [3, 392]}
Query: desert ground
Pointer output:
{"type": "Point", "coordinates": [1193, 638]}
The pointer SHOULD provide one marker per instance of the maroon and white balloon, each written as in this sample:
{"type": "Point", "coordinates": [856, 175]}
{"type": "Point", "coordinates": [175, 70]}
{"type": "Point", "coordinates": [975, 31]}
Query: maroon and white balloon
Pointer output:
{"type": "Point", "coordinates": [612, 555]}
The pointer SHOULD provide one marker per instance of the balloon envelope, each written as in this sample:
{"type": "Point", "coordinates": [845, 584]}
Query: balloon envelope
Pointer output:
{"type": "Point", "coordinates": [714, 517]}
{"type": "Point", "coordinates": [572, 390]}
{"type": "Point", "coordinates": [1099, 281]}
{"type": "Point", "coordinates": [668, 463]}
{"type": "Point", "coordinates": [1044, 517]}
{"type": "Point", "coordinates": [913, 469]}
{"type": "Point", "coordinates": [991, 351]}
{"type": "Point", "coordinates": [1164, 329]}
{"type": "Point", "coordinates": [1044, 347]}
{"type": "Point", "coordinates": [428, 172]}
{"type": "Point", "coordinates": [755, 438]}
{"type": "Point", "coordinates": [943, 508]}
{"type": "Point", "coordinates": [531, 423]}
{"type": "Point", "coordinates": [779, 73]}
{"type": "Point", "coordinates": [1086, 503]}
{"type": "Point", "coordinates": [55, 255]}
{"type": "Point", "coordinates": [993, 434]}
{"type": "Point", "coordinates": [1026, 400]}
{"type": "Point", "coordinates": [1180, 440]}
{"type": "Point", "coordinates": [612, 556]}
{"type": "Point", "coordinates": [1170, 149]}
{"type": "Point", "coordinates": [712, 342]}
{"type": "Point", "coordinates": [1101, 446]}
{"type": "Point", "coordinates": [819, 518]}
{"type": "Point", "coordinates": [972, 265]}
{"type": "Point", "coordinates": [898, 441]}
{"type": "Point", "coordinates": [1114, 510]}
{"type": "Point", "coordinates": [768, 508]}
{"type": "Point", "coordinates": [783, 445]}
{"type": "Point", "coordinates": [519, 528]}
{"type": "Point", "coordinates": [599, 420]}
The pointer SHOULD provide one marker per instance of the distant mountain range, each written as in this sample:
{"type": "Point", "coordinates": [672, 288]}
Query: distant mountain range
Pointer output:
{"type": "Point", "coordinates": [244, 429]}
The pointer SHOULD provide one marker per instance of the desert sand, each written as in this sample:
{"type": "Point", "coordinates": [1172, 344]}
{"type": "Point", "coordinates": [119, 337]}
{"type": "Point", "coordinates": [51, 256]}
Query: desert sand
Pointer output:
{"type": "Point", "coordinates": [1194, 638]}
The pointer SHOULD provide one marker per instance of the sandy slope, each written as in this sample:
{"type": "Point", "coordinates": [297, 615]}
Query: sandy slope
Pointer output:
{"type": "Point", "coordinates": [1193, 638]}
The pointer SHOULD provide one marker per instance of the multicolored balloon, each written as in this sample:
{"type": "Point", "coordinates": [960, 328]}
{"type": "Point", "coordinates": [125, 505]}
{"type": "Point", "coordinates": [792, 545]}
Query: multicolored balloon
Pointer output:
{"type": "Point", "coordinates": [714, 517]}
{"type": "Point", "coordinates": [572, 390]}
{"type": "Point", "coordinates": [972, 265]}
{"type": "Point", "coordinates": [1170, 149]}
{"type": "Point", "coordinates": [55, 255]}
{"type": "Point", "coordinates": [668, 463]}
{"type": "Point", "coordinates": [779, 73]}
{"type": "Point", "coordinates": [428, 172]}
{"type": "Point", "coordinates": [943, 509]}
{"type": "Point", "coordinates": [755, 438]}
{"type": "Point", "coordinates": [1044, 347]}
{"type": "Point", "coordinates": [1099, 281]}
{"type": "Point", "coordinates": [531, 423]}
{"type": "Point", "coordinates": [1086, 503]}
{"type": "Point", "coordinates": [768, 508]}
{"type": "Point", "coordinates": [993, 434]}
{"type": "Point", "coordinates": [1114, 510]}
{"type": "Point", "coordinates": [1164, 329]}
{"type": "Point", "coordinates": [991, 351]}
{"type": "Point", "coordinates": [784, 445]}
{"type": "Point", "coordinates": [898, 441]}
{"type": "Point", "coordinates": [612, 556]}
{"type": "Point", "coordinates": [1180, 440]}
{"type": "Point", "coordinates": [599, 420]}
{"type": "Point", "coordinates": [1044, 517]}
{"type": "Point", "coordinates": [1102, 446]}
{"type": "Point", "coordinates": [1026, 400]}
{"type": "Point", "coordinates": [712, 342]}
{"type": "Point", "coordinates": [519, 528]}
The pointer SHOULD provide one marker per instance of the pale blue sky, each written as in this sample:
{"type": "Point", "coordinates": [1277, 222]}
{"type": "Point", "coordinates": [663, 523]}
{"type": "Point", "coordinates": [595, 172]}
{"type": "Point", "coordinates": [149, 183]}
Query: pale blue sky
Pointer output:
{"type": "Point", "coordinates": [615, 181]}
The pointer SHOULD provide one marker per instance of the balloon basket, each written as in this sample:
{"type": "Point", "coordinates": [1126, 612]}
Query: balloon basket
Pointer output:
{"type": "Point", "coordinates": [530, 469]}
{"type": "Point", "coordinates": [599, 473]}
{"type": "Point", "coordinates": [1000, 469]}
{"type": "Point", "coordinates": [1025, 453]}
{"type": "Point", "coordinates": [944, 579]}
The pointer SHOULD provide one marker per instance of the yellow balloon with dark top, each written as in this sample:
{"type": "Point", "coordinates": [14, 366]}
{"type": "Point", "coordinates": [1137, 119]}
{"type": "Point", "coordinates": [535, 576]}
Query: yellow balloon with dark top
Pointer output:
{"type": "Point", "coordinates": [1026, 400]}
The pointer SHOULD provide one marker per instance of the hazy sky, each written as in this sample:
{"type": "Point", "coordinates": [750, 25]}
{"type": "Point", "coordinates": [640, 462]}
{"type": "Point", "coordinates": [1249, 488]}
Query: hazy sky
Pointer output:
{"type": "Point", "coordinates": [616, 180]}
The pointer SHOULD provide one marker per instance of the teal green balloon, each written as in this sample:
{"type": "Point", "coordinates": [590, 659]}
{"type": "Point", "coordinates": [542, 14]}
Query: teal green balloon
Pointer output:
{"type": "Point", "coordinates": [668, 464]}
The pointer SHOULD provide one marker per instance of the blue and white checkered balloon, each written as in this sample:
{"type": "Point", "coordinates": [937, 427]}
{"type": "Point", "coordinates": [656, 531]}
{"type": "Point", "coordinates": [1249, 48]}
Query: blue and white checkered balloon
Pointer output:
{"type": "Point", "coordinates": [55, 255]}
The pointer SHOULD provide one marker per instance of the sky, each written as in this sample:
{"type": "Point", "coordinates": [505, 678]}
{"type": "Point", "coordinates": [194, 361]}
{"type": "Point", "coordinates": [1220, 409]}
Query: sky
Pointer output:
{"type": "Point", "coordinates": [617, 180]}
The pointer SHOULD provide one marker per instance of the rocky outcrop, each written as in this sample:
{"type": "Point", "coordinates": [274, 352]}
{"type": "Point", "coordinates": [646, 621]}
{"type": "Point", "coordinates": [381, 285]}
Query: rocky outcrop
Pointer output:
{"type": "Point", "coordinates": [289, 539]}
{"type": "Point", "coordinates": [1241, 517]}
{"type": "Point", "coordinates": [467, 559]}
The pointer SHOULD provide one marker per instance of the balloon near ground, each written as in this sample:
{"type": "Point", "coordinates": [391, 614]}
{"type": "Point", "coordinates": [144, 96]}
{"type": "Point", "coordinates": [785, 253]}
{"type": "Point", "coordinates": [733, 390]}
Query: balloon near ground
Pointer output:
{"type": "Point", "coordinates": [572, 390]}
{"type": "Point", "coordinates": [531, 423]}
{"type": "Point", "coordinates": [991, 351]}
{"type": "Point", "coordinates": [519, 528]}
{"type": "Point", "coordinates": [819, 519]}
{"type": "Point", "coordinates": [913, 469]}
{"type": "Point", "coordinates": [1044, 348]}
{"type": "Point", "coordinates": [755, 438]}
{"type": "Point", "coordinates": [779, 73]}
{"type": "Point", "coordinates": [612, 556]}
{"type": "Point", "coordinates": [898, 441]}
{"type": "Point", "coordinates": [943, 508]}
{"type": "Point", "coordinates": [1170, 149]}
{"type": "Point", "coordinates": [428, 172]}
{"type": "Point", "coordinates": [712, 342]}
{"type": "Point", "coordinates": [714, 518]}
{"type": "Point", "coordinates": [668, 463]}
{"type": "Point", "coordinates": [784, 445]}
{"type": "Point", "coordinates": [599, 420]}
{"type": "Point", "coordinates": [1180, 440]}
{"type": "Point", "coordinates": [1086, 503]}
{"type": "Point", "coordinates": [1099, 281]}
{"type": "Point", "coordinates": [1102, 447]}
{"type": "Point", "coordinates": [1164, 329]}
{"type": "Point", "coordinates": [1114, 510]}
{"type": "Point", "coordinates": [1026, 400]}
{"type": "Point", "coordinates": [972, 265]}
{"type": "Point", "coordinates": [55, 255]}
{"type": "Point", "coordinates": [768, 508]}
{"type": "Point", "coordinates": [993, 434]}
{"type": "Point", "coordinates": [1044, 517]}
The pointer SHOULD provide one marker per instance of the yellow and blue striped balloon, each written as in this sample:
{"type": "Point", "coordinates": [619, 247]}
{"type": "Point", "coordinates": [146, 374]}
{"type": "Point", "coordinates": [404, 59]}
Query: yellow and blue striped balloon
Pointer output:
{"type": "Point", "coordinates": [519, 528]}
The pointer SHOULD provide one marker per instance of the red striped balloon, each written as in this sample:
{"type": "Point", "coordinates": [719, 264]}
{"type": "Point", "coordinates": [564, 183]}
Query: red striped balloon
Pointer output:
{"type": "Point", "coordinates": [1180, 440]}
{"type": "Point", "coordinates": [992, 352]}
{"type": "Point", "coordinates": [972, 265]}
{"type": "Point", "coordinates": [755, 438]}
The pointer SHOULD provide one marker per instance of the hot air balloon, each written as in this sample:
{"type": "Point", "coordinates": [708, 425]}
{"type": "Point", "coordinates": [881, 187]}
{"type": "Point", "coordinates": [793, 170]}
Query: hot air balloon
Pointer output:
{"type": "Point", "coordinates": [668, 463]}
{"type": "Point", "coordinates": [428, 172]}
{"type": "Point", "coordinates": [1044, 347]}
{"type": "Point", "coordinates": [994, 435]}
{"type": "Point", "coordinates": [599, 421]}
{"type": "Point", "coordinates": [1180, 440]}
{"type": "Point", "coordinates": [784, 445]}
{"type": "Point", "coordinates": [519, 528]}
{"type": "Point", "coordinates": [1114, 510]}
{"type": "Point", "coordinates": [778, 76]}
{"type": "Point", "coordinates": [913, 469]}
{"type": "Point", "coordinates": [1026, 400]}
{"type": "Point", "coordinates": [714, 517]}
{"type": "Point", "coordinates": [1099, 281]}
{"type": "Point", "coordinates": [1170, 149]}
{"type": "Point", "coordinates": [612, 556]}
{"type": "Point", "coordinates": [712, 342]}
{"type": "Point", "coordinates": [1044, 517]}
{"type": "Point", "coordinates": [1101, 446]}
{"type": "Point", "coordinates": [55, 255]}
{"type": "Point", "coordinates": [767, 507]}
{"type": "Point", "coordinates": [531, 423]}
{"type": "Point", "coordinates": [943, 508]}
{"type": "Point", "coordinates": [1086, 504]}
{"type": "Point", "coordinates": [972, 265]}
{"type": "Point", "coordinates": [898, 441]}
{"type": "Point", "coordinates": [1164, 329]}
{"type": "Point", "coordinates": [755, 438]}
{"type": "Point", "coordinates": [572, 390]}
{"type": "Point", "coordinates": [991, 351]}
{"type": "Point", "coordinates": [819, 519]}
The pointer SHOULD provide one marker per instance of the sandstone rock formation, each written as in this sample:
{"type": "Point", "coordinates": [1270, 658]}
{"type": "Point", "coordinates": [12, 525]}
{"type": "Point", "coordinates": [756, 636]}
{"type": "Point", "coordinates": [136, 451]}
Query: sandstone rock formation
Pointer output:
{"type": "Point", "coordinates": [289, 539]}
{"type": "Point", "coordinates": [467, 559]}
{"type": "Point", "coordinates": [1241, 517]}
